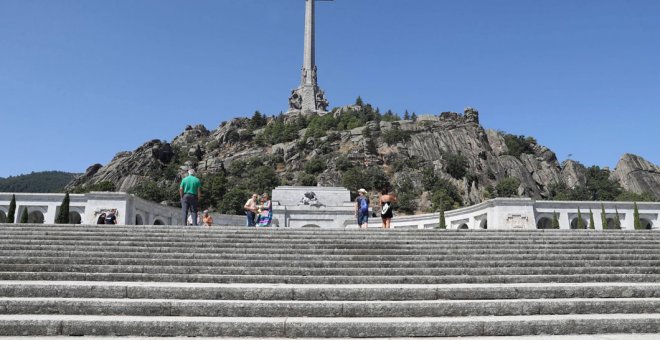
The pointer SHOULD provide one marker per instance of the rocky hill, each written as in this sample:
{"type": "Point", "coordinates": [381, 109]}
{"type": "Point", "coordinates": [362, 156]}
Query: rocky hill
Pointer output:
{"type": "Point", "coordinates": [447, 159]}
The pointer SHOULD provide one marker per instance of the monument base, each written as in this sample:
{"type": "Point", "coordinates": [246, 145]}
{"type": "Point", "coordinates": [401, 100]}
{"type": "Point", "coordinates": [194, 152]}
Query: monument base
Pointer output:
{"type": "Point", "coordinates": [312, 207]}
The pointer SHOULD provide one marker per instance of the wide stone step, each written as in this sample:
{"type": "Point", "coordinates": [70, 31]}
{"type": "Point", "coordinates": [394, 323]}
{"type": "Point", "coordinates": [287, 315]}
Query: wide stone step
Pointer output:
{"type": "Point", "coordinates": [12, 325]}
{"type": "Point", "coordinates": [195, 235]}
{"type": "Point", "coordinates": [332, 251]}
{"type": "Point", "coordinates": [175, 228]}
{"type": "Point", "coordinates": [324, 292]}
{"type": "Point", "coordinates": [265, 308]}
{"type": "Point", "coordinates": [245, 233]}
{"type": "Point", "coordinates": [328, 257]}
{"type": "Point", "coordinates": [342, 245]}
{"type": "Point", "coordinates": [8, 228]}
{"type": "Point", "coordinates": [336, 279]}
{"type": "Point", "coordinates": [266, 271]}
{"type": "Point", "coordinates": [320, 262]}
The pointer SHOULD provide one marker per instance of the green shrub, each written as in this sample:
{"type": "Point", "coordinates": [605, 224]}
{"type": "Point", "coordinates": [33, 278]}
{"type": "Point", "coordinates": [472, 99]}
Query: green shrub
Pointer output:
{"type": "Point", "coordinates": [342, 163]}
{"type": "Point", "coordinates": [12, 210]}
{"type": "Point", "coordinates": [395, 135]}
{"type": "Point", "coordinates": [456, 165]}
{"type": "Point", "coordinates": [518, 145]}
{"type": "Point", "coordinates": [63, 215]}
{"type": "Point", "coordinates": [637, 223]}
{"type": "Point", "coordinates": [24, 215]}
{"type": "Point", "coordinates": [306, 179]}
{"type": "Point", "coordinates": [315, 166]}
{"type": "Point", "coordinates": [555, 220]}
{"type": "Point", "coordinates": [507, 187]}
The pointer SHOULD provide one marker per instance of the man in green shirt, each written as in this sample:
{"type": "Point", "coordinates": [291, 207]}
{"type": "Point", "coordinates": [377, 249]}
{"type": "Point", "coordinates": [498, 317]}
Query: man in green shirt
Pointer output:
{"type": "Point", "coordinates": [190, 192]}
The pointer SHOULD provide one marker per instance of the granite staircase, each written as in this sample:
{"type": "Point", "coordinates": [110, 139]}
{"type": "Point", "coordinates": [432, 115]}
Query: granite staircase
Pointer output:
{"type": "Point", "coordinates": [186, 281]}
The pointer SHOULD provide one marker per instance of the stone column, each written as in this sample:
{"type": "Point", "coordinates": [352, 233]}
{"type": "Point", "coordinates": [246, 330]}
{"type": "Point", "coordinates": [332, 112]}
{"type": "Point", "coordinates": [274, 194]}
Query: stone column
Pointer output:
{"type": "Point", "coordinates": [308, 97]}
{"type": "Point", "coordinates": [308, 57]}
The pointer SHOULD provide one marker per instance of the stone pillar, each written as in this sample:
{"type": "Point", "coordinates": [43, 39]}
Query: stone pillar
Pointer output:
{"type": "Point", "coordinates": [308, 97]}
{"type": "Point", "coordinates": [308, 57]}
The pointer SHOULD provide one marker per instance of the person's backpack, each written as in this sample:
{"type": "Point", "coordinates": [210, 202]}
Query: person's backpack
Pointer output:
{"type": "Point", "coordinates": [364, 206]}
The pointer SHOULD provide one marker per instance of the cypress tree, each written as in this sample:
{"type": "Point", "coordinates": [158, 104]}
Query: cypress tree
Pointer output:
{"type": "Point", "coordinates": [442, 224]}
{"type": "Point", "coordinates": [636, 220]}
{"type": "Point", "coordinates": [603, 217]}
{"type": "Point", "coordinates": [592, 224]}
{"type": "Point", "coordinates": [11, 214]}
{"type": "Point", "coordinates": [555, 220]}
{"type": "Point", "coordinates": [63, 216]}
{"type": "Point", "coordinates": [617, 220]}
{"type": "Point", "coordinates": [580, 222]}
{"type": "Point", "coordinates": [24, 216]}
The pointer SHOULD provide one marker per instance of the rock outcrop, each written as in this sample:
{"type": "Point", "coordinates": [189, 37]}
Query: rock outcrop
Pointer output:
{"type": "Point", "coordinates": [435, 142]}
{"type": "Point", "coordinates": [638, 175]}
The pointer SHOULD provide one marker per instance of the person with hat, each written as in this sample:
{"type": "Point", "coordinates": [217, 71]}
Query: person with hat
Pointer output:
{"type": "Point", "coordinates": [362, 209]}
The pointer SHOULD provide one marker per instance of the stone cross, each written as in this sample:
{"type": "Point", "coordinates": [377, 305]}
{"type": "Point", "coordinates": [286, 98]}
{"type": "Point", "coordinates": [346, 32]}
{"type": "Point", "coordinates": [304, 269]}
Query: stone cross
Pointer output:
{"type": "Point", "coordinates": [308, 97]}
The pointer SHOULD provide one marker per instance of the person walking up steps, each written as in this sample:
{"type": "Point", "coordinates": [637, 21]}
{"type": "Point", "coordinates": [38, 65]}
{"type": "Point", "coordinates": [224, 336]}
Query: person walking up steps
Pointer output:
{"type": "Point", "coordinates": [362, 209]}
{"type": "Point", "coordinates": [190, 193]}
{"type": "Point", "coordinates": [386, 200]}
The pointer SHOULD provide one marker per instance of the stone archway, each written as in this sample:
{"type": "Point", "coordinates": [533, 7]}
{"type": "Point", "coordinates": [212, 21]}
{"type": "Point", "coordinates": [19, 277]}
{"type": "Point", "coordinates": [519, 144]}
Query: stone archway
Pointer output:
{"type": "Point", "coordinates": [483, 224]}
{"type": "Point", "coordinates": [36, 217]}
{"type": "Point", "coordinates": [610, 224]}
{"type": "Point", "coordinates": [74, 217]}
{"type": "Point", "coordinates": [463, 226]}
{"type": "Point", "coordinates": [544, 223]}
{"type": "Point", "coordinates": [138, 219]}
{"type": "Point", "coordinates": [158, 222]}
{"type": "Point", "coordinates": [3, 217]}
{"type": "Point", "coordinates": [574, 223]}
{"type": "Point", "coordinates": [646, 224]}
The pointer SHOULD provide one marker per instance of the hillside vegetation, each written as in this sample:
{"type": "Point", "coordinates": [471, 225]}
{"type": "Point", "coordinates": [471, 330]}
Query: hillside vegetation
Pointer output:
{"type": "Point", "coordinates": [37, 182]}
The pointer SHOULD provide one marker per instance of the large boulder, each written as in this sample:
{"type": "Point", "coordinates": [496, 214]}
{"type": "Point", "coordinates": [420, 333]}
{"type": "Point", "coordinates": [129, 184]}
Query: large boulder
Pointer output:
{"type": "Point", "coordinates": [638, 175]}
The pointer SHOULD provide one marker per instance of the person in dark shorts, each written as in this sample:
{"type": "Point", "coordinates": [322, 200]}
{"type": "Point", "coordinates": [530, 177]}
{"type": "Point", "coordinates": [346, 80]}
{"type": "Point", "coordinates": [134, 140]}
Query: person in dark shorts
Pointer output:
{"type": "Point", "coordinates": [386, 200]}
{"type": "Point", "coordinates": [362, 209]}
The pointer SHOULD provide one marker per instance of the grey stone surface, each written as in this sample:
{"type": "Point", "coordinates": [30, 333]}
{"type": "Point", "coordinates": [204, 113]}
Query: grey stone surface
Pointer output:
{"type": "Point", "coordinates": [507, 282]}
{"type": "Point", "coordinates": [636, 174]}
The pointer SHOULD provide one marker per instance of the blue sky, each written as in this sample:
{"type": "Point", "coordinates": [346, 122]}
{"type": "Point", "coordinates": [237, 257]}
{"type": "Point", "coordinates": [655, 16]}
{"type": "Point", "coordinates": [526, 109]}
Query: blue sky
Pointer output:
{"type": "Point", "coordinates": [82, 80]}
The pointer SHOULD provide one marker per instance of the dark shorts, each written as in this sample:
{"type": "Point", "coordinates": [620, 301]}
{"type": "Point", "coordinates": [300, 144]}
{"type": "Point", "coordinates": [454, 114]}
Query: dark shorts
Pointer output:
{"type": "Point", "coordinates": [386, 210]}
{"type": "Point", "coordinates": [363, 218]}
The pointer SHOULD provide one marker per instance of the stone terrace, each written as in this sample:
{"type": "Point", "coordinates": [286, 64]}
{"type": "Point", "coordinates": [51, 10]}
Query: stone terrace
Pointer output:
{"type": "Point", "coordinates": [178, 281]}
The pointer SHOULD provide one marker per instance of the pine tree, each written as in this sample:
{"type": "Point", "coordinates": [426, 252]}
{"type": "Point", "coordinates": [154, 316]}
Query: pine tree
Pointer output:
{"type": "Point", "coordinates": [617, 220]}
{"type": "Point", "coordinates": [603, 217]}
{"type": "Point", "coordinates": [637, 222]}
{"type": "Point", "coordinates": [592, 224]}
{"type": "Point", "coordinates": [580, 221]}
{"type": "Point", "coordinates": [24, 216]}
{"type": "Point", "coordinates": [63, 216]}
{"type": "Point", "coordinates": [413, 117]}
{"type": "Point", "coordinates": [12, 210]}
{"type": "Point", "coordinates": [442, 224]}
{"type": "Point", "coordinates": [359, 101]}
{"type": "Point", "coordinates": [555, 220]}
{"type": "Point", "coordinates": [406, 115]}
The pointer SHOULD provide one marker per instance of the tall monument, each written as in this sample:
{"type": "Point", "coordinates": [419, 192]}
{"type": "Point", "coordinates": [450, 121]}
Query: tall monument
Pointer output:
{"type": "Point", "coordinates": [308, 97]}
